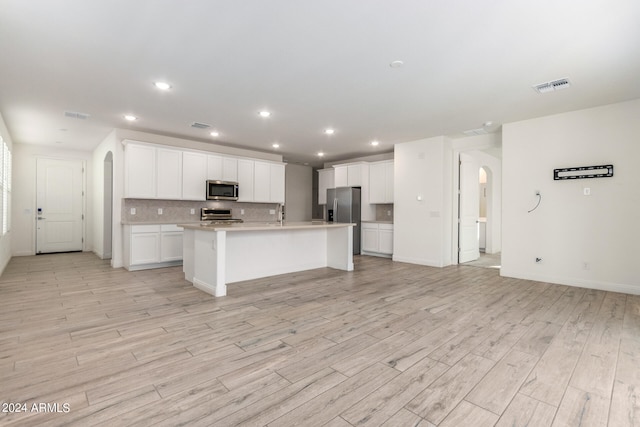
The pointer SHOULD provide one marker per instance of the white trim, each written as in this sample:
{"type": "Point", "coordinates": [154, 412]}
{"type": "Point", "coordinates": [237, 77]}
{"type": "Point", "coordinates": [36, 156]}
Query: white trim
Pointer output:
{"type": "Point", "coordinates": [579, 283]}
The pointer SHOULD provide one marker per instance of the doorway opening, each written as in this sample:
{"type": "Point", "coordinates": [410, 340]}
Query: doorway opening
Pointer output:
{"type": "Point", "coordinates": [107, 234]}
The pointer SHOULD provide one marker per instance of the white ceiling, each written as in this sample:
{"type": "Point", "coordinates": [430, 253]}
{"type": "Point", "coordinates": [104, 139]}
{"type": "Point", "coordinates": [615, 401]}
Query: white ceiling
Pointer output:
{"type": "Point", "coordinates": [314, 64]}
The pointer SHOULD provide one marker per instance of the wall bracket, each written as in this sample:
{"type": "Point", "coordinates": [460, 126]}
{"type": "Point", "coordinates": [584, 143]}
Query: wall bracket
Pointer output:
{"type": "Point", "coordinates": [583, 172]}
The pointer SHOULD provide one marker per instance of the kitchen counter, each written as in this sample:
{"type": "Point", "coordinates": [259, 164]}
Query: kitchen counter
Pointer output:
{"type": "Point", "coordinates": [217, 254]}
{"type": "Point", "coordinates": [378, 222]}
{"type": "Point", "coordinates": [263, 226]}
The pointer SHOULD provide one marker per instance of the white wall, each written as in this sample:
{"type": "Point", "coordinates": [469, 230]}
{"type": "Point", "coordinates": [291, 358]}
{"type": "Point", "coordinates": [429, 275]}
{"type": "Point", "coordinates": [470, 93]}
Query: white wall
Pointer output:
{"type": "Point", "coordinates": [110, 144]}
{"type": "Point", "coordinates": [298, 192]}
{"type": "Point", "coordinates": [422, 228]}
{"type": "Point", "coordinates": [23, 241]}
{"type": "Point", "coordinates": [5, 241]}
{"type": "Point", "coordinates": [570, 229]}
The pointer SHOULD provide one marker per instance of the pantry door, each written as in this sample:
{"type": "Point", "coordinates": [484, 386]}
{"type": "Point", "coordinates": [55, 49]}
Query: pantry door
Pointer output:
{"type": "Point", "coordinates": [59, 205]}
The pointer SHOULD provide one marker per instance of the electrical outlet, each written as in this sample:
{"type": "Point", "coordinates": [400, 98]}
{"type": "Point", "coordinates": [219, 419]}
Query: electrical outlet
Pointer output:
{"type": "Point", "coordinates": [272, 211]}
{"type": "Point", "coordinates": [241, 211]}
{"type": "Point", "coordinates": [388, 213]}
{"type": "Point", "coordinates": [193, 211]}
{"type": "Point", "coordinates": [586, 265]}
{"type": "Point", "coordinates": [586, 191]}
{"type": "Point", "coordinates": [159, 211]}
{"type": "Point", "coordinates": [133, 211]}
{"type": "Point", "coordinates": [538, 260]}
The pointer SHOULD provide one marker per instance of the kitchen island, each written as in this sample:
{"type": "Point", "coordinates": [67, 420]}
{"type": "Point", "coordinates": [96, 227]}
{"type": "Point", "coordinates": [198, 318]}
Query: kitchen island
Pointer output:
{"type": "Point", "coordinates": [218, 254]}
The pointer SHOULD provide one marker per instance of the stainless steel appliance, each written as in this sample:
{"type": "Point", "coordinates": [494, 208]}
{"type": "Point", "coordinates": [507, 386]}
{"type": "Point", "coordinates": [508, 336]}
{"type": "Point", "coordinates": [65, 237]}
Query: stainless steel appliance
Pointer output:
{"type": "Point", "coordinates": [343, 205]}
{"type": "Point", "coordinates": [222, 190]}
{"type": "Point", "coordinates": [217, 216]}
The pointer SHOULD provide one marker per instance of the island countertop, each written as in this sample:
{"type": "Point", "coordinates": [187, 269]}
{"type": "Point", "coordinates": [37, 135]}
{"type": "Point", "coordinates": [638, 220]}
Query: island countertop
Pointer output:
{"type": "Point", "coordinates": [264, 226]}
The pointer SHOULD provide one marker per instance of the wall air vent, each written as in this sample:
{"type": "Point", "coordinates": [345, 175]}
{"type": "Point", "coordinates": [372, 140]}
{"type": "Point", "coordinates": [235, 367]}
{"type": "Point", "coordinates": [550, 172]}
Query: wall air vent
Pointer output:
{"type": "Point", "coordinates": [199, 125]}
{"type": "Point", "coordinates": [552, 86]}
{"type": "Point", "coordinates": [76, 115]}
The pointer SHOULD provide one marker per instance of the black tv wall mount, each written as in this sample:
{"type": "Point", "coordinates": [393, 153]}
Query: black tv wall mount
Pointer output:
{"type": "Point", "coordinates": [583, 172]}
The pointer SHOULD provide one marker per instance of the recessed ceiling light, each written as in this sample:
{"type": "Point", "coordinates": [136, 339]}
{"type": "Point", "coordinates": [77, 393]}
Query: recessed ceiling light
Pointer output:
{"type": "Point", "coordinates": [375, 143]}
{"type": "Point", "coordinates": [215, 134]}
{"type": "Point", "coordinates": [130, 118]}
{"type": "Point", "coordinates": [264, 113]}
{"type": "Point", "coordinates": [396, 64]}
{"type": "Point", "coordinates": [320, 154]}
{"type": "Point", "coordinates": [329, 131]}
{"type": "Point", "coordinates": [275, 145]}
{"type": "Point", "coordinates": [162, 85]}
{"type": "Point", "coordinates": [487, 124]}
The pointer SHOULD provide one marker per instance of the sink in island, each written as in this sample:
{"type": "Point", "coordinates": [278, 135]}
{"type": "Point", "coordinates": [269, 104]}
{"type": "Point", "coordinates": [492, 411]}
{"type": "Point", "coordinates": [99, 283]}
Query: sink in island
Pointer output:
{"type": "Point", "coordinates": [217, 254]}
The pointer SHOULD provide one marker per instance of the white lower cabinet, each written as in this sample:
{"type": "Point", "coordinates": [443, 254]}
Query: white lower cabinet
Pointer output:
{"type": "Point", "coordinates": [377, 239]}
{"type": "Point", "coordinates": [152, 246]}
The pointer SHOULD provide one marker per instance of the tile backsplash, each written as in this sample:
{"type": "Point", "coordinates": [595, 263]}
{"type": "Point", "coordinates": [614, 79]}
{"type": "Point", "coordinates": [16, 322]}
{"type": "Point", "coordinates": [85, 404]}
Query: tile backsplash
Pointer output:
{"type": "Point", "coordinates": [383, 211]}
{"type": "Point", "coordinates": [179, 211]}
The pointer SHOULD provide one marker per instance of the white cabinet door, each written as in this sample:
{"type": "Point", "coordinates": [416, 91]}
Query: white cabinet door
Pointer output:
{"type": "Point", "coordinates": [354, 175]}
{"type": "Point", "coordinates": [168, 174]}
{"type": "Point", "coordinates": [261, 182]}
{"type": "Point", "coordinates": [230, 169]}
{"type": "Point", "coordinates": [377, 185]}
{"type": "Point", "coordinates": [388, 166]}
{"type": "Point", "coordinates": [140, 171]}
{"type": "Point", "coordinates": [145, 248]}
{"type": "Point", "coordinates": [245, 180]}
{"type": "Point", "coordinates": [325, 181]}
{"type": "Point", "coordinates": [370, 237]}
{"type": "Point", "coordinates": [277, 183]}
{"type": "Point", "coordinates": [214, 167]}
{"type": "Point", "coordinates": [194, 176]}
{"type": "Point", "coordinates": [385, 239]}
{"type": "Point", "coordinates": [341, 176]}
{"type": "Point", "coordinates": [170, 245]}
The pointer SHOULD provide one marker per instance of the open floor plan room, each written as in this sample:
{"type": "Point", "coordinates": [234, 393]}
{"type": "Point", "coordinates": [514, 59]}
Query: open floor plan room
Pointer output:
{"type": "Point", "coordinates": [388, 344]}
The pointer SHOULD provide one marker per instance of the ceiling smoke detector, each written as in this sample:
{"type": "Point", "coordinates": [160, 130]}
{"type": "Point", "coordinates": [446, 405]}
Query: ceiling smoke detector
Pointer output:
{"type": "Point", "coordinates": [552, 86]}
{"type": "Point", "coordinates": [76, 115]}
{"type": "Point", "coordinates": [199, 125]}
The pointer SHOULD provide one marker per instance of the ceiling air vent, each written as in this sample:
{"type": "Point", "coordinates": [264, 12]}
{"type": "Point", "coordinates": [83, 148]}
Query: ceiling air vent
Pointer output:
{"type": "Point", "coordinates": [552, 86]}
{"type": "Point", "coordinates": [199, 125]}
{"type": "Point", "coordinates": [76, 115]}
{"type": "Point", "coordinates": [473, 132]}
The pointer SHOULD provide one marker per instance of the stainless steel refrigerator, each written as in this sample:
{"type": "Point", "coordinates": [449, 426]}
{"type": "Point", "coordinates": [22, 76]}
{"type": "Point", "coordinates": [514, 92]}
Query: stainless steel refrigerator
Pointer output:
{"type": "Point", "coordinates": [343, 205]}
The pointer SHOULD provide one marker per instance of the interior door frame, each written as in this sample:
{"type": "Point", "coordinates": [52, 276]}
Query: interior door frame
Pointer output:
{"type": "Point", "coordinates": [35, 200]}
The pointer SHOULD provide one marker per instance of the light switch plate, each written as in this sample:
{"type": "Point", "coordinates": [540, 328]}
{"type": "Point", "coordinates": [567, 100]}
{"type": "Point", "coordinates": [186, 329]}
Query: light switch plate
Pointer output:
{"type": "Point", "coordinates": [159, 211]}
{"type": "Point", "coordinates": [193, 211]}
{"type": "Point", "coordinates": [133, 211]}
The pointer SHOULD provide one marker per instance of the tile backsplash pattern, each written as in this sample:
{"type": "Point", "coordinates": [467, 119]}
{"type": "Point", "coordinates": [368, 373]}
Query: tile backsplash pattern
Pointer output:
{"type": "Point", "coordinates": [382, 212]}
{"type": "Point", "coordinates": [179, 211]}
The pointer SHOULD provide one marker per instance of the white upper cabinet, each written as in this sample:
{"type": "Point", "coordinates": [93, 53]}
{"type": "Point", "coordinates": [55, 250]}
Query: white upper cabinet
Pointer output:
{"type": "Point", "coordinates": [169, 174]}
{"type": "Point", "coordinates": [245, 180]}
{"type": "Point", "coordinates": [268, 182]}
{"type": "Point", "coordinates": [194, 175]}
{"type": "Point", "coordinates": [326, 180]}
{"type": "Point", "coordinates": [381, 182]}
{"type": "Point", "coordinates": [221, 168]}
{"type": "Point", "coordinates": [161, 172]}
{"type": "Point", "coordinates": [277, 183]}
{"type": "Point", "coordinates": [352, 175]}
{"type": "Point", "coordinates": [139, 171]}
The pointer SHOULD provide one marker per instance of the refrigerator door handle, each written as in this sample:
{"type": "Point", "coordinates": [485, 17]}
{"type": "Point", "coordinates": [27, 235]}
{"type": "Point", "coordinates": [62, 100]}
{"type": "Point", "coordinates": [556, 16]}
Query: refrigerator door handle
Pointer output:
{"type": "Point", "coordinates": [335, 209]}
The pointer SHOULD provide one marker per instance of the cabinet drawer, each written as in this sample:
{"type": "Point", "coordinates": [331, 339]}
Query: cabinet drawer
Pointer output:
{"type": "Point", "coordinates": [170, 227]}
{"type": "Point", "coordinates": [151, 228]}
{"type": "Point", "coordinates": [385, 226]}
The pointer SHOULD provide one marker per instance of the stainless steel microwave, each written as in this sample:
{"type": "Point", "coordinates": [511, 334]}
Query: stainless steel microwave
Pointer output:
{"type": "Point", "coordinates": [222, 190]}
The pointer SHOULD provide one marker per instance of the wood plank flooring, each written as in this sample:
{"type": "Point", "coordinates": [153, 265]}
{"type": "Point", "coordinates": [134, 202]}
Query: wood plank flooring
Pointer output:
{"type": "Point", "coordinates": [389, 344]}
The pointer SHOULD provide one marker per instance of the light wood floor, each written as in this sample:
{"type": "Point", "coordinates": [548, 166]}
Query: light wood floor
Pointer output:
{"type": "Point", "coordinates": [389, 344]}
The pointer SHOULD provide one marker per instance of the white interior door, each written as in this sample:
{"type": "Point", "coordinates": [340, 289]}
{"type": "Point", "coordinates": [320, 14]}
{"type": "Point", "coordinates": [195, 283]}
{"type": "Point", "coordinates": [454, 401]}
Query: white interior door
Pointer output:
{"type": "Point", "coordinates": [469, 208]}
{"type": "Point", "coordinates": [59, 205]}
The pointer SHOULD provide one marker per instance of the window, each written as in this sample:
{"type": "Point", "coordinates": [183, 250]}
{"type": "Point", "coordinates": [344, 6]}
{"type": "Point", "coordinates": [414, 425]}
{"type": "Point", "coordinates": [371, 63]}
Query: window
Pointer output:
{"type": "Point", "coordinates": [5, 186]}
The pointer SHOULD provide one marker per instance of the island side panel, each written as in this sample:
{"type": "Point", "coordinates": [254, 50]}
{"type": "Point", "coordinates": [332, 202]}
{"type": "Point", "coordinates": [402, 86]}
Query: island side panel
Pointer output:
{"type": "Point", "coordinates": [340, 248]}
{"type": "Point", "coordinates": [209, 262]}
{"type": "Point", "coordinates": [188, 249]}
{"type": "Point", "coordinates": [255, 254]}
